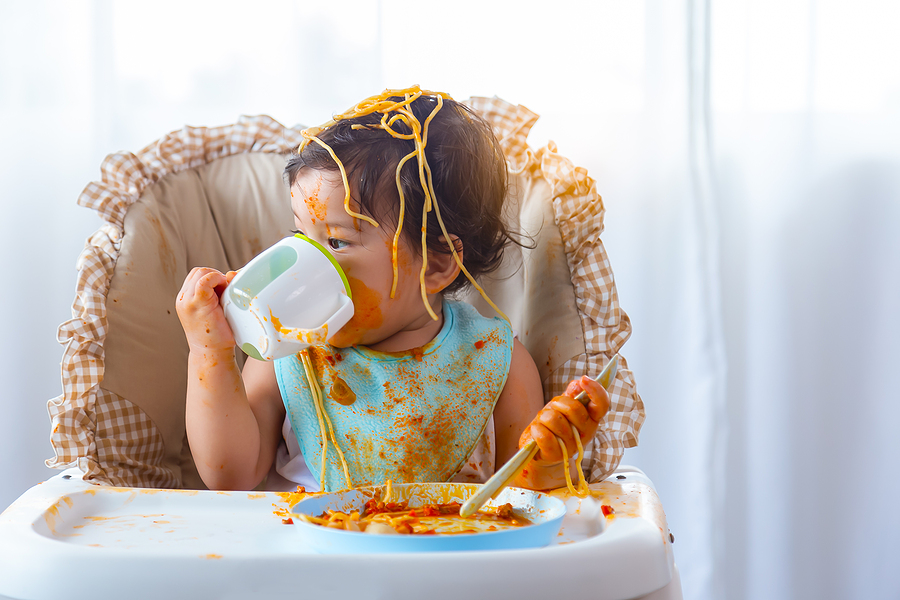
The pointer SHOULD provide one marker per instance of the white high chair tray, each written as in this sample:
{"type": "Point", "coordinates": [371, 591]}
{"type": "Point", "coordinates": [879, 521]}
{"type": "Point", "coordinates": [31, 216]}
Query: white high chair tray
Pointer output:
{"type": "Point", "coordinates": [67, 538]}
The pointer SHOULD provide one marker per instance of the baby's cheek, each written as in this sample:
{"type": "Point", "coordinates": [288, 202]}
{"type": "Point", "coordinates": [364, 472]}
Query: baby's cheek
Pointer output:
{"type": "Point", "coordinates": [408, 263]}
{"type": "Point", "coordinates": [366, 314]}
{"type": "Point", "coordinates": [405, 262]}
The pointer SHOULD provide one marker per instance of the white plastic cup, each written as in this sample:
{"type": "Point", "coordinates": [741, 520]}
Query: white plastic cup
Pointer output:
{"type": "Point", "coordinates": [289, 297]}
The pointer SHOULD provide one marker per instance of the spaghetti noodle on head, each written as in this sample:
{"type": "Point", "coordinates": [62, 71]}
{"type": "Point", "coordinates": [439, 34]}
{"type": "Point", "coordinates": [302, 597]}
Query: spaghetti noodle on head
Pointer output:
{"type": "Point", "coordinates": [431, 172]}
{"type": "Point", "coordinates": [425, 167]}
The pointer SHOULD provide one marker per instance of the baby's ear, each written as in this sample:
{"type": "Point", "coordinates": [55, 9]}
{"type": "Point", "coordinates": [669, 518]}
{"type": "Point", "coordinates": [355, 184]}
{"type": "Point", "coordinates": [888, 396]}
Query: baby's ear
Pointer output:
{"type": "Point", "coordinates": [442, 267]}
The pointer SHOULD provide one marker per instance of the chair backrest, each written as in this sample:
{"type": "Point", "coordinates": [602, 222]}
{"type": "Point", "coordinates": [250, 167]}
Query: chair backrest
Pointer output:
{"type": "Point", "coordinates": [215, 197]}
{"type": "Point", "coordinates": [561, 296]}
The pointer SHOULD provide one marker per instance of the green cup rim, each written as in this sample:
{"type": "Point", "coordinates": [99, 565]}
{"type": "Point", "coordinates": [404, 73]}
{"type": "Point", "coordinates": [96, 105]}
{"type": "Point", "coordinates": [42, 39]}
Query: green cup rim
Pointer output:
{"type": "Point", "coordinates": [331, 258]}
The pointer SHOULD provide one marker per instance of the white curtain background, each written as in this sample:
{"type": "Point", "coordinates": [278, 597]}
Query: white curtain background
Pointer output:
{"type": "Point", "coordinates": [748, 156]}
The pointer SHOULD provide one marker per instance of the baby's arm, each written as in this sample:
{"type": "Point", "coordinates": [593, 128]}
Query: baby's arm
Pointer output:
{"type": "Point", "coordinates": [233, 421]}
{"type": "Point", "coordinates": [520, 415]}
{"type": "Point", "coordinates": [521, 399]}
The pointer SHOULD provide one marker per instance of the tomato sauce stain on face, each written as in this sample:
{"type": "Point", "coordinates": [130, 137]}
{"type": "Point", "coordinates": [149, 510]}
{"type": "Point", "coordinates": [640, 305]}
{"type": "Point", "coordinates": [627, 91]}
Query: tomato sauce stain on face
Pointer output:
{"type": "Point", "coordinates": [317, 208]}
{"type": "Point", "coordinates": [366, 314]}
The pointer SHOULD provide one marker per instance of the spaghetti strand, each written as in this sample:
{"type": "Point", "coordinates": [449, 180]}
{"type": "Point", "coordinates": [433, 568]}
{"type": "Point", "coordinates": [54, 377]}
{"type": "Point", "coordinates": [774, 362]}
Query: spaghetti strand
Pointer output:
{"type": "Point", "coordinates": [314, 390]}
{"type": "Point", "coordinates": [583, 489]}
{"type": "Point", "coordinates": [394, 111]}
{"type": "Point", "coordinates": [324, 421]}
{"type": "Point", "coordinates": [395, 244]}
{"type": "Point", "coordinates": [346, 183]}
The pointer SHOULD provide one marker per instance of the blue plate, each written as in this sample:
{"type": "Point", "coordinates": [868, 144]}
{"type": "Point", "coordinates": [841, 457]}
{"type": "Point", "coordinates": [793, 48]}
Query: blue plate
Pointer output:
{"type": "Point", "coordinates": [545, 512]}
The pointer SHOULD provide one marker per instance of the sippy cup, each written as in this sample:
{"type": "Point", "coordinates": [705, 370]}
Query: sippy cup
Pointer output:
{"type": "Point", "coordinates": [289, 297]}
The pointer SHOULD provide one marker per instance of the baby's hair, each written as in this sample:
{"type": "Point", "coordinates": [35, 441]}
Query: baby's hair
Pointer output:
{"type": "Point", "coordinates": [461, 164]}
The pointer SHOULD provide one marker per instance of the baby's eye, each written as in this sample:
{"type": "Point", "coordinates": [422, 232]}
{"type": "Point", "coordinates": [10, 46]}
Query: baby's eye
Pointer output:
{"type": "Point", "coordinates": [337, 244]}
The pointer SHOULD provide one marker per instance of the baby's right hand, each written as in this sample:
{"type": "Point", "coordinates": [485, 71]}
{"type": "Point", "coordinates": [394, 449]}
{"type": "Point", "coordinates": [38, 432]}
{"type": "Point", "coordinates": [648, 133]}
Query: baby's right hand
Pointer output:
{"type": "Point", "coordinates": [200, 311]}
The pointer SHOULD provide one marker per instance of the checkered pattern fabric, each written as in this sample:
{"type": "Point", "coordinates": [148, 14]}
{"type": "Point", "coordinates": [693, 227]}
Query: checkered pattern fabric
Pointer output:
{"type": "Point", "coordinates": [125, 175]}
{"type": "Point", "coordinates": [114, 442]}
{"type": "Point", "coordinates": [110, 439]}
{"type": "Point", "coordinates": [578, 211]}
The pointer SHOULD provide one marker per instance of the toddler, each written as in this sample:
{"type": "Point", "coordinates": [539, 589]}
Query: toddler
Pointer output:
{"type": "Point", "coordinates": [406, 191]}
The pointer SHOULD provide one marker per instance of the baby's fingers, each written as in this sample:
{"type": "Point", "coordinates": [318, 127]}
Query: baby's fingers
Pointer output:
{"type": "Point", "coordinates": [547, 442]}
{"type": "Point", "coordinates": [190, 282]}
{"type": "Point", "coordinates": [199, 294]}
{"type": "Point", "coordinates": [211, 284]}
{"type": "Point", "coordinates": [559, 416]}
{"type": "Point", "coordinates": [205, 283]}
{"type": "Point", "coordinates": [598, 404]}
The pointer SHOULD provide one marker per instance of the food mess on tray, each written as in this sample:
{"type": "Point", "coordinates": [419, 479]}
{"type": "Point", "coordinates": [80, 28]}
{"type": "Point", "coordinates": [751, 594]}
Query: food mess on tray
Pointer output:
{"type": "Point", "coordinates": [382, 517]}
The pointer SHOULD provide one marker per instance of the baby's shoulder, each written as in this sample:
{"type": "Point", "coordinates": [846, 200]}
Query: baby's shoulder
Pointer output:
{"type": "Point", "coordinates": [470, 316]}
{"type": "Point", "coordinates": [470, 333]}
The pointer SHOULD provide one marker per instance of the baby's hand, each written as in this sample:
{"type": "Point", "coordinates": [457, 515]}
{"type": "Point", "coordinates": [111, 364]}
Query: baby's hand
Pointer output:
{"type": "Point", "coordinates": [558, 416]}
{"type": "Point", "coordinates": [200, 311]}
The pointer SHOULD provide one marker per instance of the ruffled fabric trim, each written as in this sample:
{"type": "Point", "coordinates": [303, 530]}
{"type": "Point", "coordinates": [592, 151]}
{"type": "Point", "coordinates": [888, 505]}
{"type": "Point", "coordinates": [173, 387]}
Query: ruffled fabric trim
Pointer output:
{"type": "Point", "coordinates": [86, 418]}
{"type": "Point", "coordinates": [578, 212]}
{"type": "Point", "coordinates": [101, 433]}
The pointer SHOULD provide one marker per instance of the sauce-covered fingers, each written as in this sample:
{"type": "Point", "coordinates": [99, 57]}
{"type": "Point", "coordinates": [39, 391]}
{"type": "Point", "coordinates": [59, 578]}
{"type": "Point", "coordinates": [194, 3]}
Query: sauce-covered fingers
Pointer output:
{"type": "Point", "coordinates": [548, 446]}
{"type": "Point", "coordinates": [575, 413]}
{"type": "Point", "coordinates": [573, 388]}
{"type": "Point", "coordinates": [196, 283]}
{"type": "Point", "coordinates": [187, 288]}
{"type": "Point", "coordinates": [599, 404]}
{"type": "Point", "coordinates": [555, 417]}
{"type": "Point", "coordinates": [211, 284]}
{"type": "Point", "coordinates": [201, 313]}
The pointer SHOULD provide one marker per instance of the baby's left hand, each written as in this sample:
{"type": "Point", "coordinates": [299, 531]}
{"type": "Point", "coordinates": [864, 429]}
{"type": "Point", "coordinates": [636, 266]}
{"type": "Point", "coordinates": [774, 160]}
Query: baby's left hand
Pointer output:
{"type": "Point", "coordinates": [558, 416]}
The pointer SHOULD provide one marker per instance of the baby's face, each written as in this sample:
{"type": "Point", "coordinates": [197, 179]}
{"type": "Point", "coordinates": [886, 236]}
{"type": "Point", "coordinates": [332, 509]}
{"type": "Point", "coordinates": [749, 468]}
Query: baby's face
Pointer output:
{"type": "Point", "coordinates": [364, 252]}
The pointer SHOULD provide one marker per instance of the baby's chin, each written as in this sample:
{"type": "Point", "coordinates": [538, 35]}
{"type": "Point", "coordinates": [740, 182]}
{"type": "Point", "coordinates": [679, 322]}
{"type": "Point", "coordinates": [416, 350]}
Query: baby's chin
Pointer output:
{"type": "Point", "coordinates": [359, 332]}
{"type": "Point", "coordinates": [340, 344]}
{"type": "Point", "coordinates": [345, 339]}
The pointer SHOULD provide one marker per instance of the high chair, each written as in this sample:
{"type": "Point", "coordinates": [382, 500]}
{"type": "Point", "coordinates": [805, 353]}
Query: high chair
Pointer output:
{"type": "Point", "coordinates": [131, 513]}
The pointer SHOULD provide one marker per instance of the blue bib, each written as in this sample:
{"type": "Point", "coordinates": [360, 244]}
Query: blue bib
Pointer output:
{"type": "Point", "coordinates": [412, 416]}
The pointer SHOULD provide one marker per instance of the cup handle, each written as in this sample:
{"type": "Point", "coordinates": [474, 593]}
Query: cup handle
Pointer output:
{"type": "Point", "coordinates": [340, 317]}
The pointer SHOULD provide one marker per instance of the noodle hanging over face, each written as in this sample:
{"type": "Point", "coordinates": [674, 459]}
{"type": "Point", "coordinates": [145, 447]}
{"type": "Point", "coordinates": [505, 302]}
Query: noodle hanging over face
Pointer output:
{"type": "Point", "coordinates": [394, 111]}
